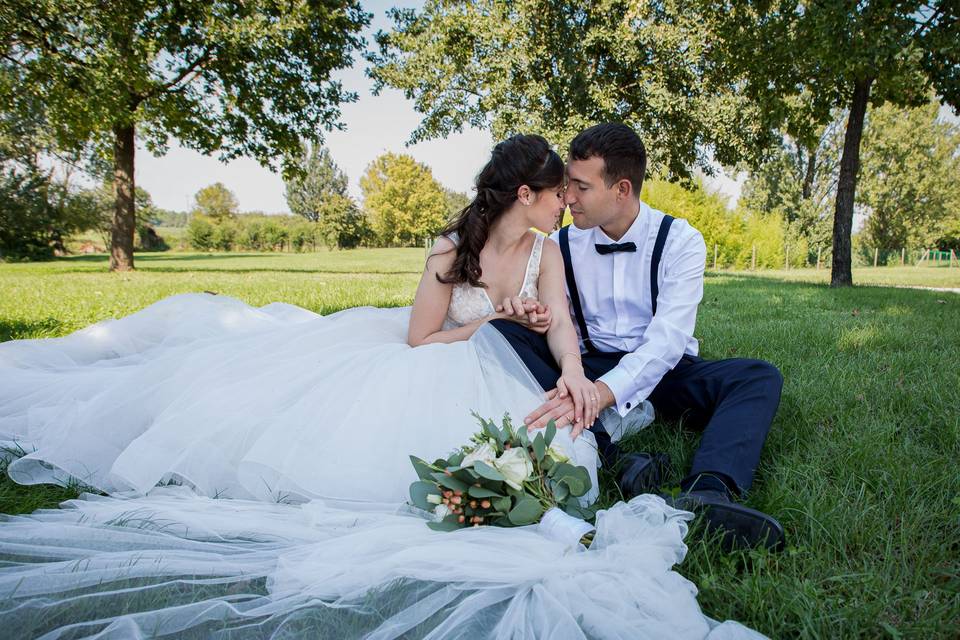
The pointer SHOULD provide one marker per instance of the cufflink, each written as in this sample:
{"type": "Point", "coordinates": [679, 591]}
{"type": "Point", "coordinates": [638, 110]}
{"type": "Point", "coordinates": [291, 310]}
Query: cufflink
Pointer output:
{"type": "Point", "coordinates": [629, 405]}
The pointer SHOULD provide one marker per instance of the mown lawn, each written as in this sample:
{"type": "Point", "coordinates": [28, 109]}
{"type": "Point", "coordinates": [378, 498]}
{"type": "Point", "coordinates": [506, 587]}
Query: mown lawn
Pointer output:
{"type": "Point", "coordinates": [861, 466]}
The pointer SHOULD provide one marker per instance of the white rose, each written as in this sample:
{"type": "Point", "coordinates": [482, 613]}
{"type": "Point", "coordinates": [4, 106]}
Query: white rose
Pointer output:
{"type": "Point", "coordinates": [483, 453]}
{"type": "Point", "coordinates": [515, 466]}
{"type": "Point", "coordinates": [433, 498]}
{"type": "Point", "coordinates": [557, 454]}
{"type": "Point", "coordinates": [441, 511]}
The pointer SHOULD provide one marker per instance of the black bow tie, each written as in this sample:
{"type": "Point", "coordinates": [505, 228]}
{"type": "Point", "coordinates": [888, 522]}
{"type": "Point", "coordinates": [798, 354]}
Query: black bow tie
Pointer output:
{"type": "Point", "coordinates": [604, 249]}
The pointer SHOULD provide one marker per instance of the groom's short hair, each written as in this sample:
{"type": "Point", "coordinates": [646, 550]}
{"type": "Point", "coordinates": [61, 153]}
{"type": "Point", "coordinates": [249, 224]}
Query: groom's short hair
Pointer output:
{"type": "Point", "coordinates": [621, 149]}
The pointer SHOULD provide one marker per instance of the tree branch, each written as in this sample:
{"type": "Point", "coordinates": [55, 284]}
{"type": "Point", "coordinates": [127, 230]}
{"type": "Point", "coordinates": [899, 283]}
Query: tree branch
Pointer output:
{"type": "Point", "coordinates": [190, 68]}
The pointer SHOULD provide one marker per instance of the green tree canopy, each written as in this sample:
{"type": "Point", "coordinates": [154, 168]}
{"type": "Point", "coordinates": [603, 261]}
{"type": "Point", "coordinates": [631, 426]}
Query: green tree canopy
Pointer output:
{"type": "Point", "coordinates": [799, 184]}
{"type": "Point", "coordinates": [456, 201]}
{"type": "Point", "coordinates": [239, 78]}
{"type": "Point", "coordinates": [909, 177]}
{"type": "Point", "coordinates": [697, 79]}
{"type": "Point", "coordinates": [556, 67]}
{"type": "Point", "coordinates": [319, 182]}
{"type": "Point", "coordinates": [800, 60]}
{"type": "Point", "coordinates": [403, 201]}
{"type": "Point", "coordinates": [215, 201]}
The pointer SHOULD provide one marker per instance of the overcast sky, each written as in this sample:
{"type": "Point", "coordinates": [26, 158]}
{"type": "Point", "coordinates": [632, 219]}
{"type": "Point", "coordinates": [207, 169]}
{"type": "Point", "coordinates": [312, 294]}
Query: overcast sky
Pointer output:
{"type": "Point", "coordinates": [374, 125]}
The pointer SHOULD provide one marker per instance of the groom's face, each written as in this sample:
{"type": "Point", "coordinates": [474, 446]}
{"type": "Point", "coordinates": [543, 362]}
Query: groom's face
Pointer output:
{"type": "Point", "coordinates": [592, 203]}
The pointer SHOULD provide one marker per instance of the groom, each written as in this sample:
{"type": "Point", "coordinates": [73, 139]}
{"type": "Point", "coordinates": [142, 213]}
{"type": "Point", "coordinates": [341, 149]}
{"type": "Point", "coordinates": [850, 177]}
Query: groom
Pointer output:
{"type": "Point", "coordinates": [634, 280]}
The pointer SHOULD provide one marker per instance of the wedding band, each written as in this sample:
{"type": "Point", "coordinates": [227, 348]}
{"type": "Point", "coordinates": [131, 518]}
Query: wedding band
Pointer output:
{"type": "Point", "coordinates": [593, 398]}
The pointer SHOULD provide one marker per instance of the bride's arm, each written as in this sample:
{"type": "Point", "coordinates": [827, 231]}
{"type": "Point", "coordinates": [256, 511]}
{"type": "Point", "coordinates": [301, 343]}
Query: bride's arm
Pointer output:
{"type": "Point", "coordinates": [432, 301]}
{"type": "Point", "coordinates": [563, 342]}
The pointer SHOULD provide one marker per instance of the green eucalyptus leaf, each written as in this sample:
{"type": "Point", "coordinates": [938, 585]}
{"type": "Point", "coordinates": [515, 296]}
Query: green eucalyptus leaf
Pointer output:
{"type": "Point", "coordinates": [421, 467]}
{"type": "Point", "coordinates": [484, 470]}
{"type": "Point", "coordinates": [539, 447]}
{"type": "Point", "coordinates": [482, 492]}
{"type": "Point", "coordinates": [551, 431]}
{"type": "Point", "coordinates": [419, 492]}
{"type": "Point", "coordinates": [450, 482]}
{"type": "Point", "coordinates": [449, 523]}
{"type": "Point", "coordinates": [526, 511]}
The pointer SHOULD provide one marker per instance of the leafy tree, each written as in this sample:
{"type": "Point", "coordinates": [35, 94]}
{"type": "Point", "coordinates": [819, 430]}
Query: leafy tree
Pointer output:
{"type": "Point", "coordinates": [555, 67]}
{"type": "Point", "coordinates": [216, 202]}
{"type": "Point", "coordinates": [404, 202]}
{"type": "Point", "coordinates": [342, 225]}
{"type": "Point", "coordinates": [320, 180]}
{"type": "Point", "coordinates": [456, 201]}
{"type": "Point", "coordinates": [242, 78]}
{"type": "Point", "coordinates": [798, 183]}
{"type": "Point", "coordinates": [200, 232]}
{"type": "Point", "coordinates": [320, 195]}
{"type": "Point", "coordinates": [801, 59]}
{"type": "Point", "coordinates": [910, 177]}
{"type": "Point", "coordinates": [698, 76]}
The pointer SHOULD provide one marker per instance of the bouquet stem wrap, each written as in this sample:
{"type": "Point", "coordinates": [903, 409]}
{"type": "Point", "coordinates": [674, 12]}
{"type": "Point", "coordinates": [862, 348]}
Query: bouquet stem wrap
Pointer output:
{"type": "Point", "coordinates": [564, 528]}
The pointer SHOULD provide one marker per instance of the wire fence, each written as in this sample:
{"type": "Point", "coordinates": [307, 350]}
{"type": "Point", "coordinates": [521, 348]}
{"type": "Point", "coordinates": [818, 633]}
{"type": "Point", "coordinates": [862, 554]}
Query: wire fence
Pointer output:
{"type": "Point", "coordinates": [766, 256]}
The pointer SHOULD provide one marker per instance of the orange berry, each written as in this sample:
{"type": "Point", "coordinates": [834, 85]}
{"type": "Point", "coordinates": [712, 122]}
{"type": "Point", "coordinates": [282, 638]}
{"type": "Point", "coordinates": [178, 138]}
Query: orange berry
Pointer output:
{"type": "Point", "coordinates": [485, 504]}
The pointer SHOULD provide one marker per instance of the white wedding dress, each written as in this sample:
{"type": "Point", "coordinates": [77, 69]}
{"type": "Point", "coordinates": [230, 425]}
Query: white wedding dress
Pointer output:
{"type": "Point", "coordinates": [256, 465]}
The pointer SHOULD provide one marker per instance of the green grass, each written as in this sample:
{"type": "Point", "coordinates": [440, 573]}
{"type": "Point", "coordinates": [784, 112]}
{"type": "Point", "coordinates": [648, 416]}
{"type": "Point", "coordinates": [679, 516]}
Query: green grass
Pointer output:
{"type": "Point", "coordinates": [861, 465]}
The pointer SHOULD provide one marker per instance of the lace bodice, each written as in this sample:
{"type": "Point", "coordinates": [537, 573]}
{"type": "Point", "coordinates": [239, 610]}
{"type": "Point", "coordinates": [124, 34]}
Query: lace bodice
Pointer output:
{"type": "Point", "coordinates": [468, 303]}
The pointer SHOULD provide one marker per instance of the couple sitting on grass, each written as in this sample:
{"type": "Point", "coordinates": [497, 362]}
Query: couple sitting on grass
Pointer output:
{"type": "Point", "coordinates": [591, 328]}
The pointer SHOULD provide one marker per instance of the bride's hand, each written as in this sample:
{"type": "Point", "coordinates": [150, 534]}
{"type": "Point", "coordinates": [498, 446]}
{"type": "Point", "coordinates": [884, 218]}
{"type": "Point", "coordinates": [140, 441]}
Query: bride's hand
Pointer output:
{"type": "Point", "coordinates": [583, 393]}
{"type": "Point", "coordinates": [526, 311]}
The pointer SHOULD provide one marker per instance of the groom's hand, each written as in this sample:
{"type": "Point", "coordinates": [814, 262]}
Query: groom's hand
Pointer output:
{"type": "Point", "coordinates": [561, 410]}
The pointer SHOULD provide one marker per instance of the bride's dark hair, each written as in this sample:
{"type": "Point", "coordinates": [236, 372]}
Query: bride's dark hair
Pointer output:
{"type": "Point", "coordinates": [518, 160]}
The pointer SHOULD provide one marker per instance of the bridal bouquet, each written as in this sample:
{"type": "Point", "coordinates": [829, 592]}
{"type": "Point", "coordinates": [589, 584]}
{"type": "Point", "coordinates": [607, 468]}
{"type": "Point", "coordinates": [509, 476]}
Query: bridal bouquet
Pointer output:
{"type": "Point", "coordinates": [507, 478]}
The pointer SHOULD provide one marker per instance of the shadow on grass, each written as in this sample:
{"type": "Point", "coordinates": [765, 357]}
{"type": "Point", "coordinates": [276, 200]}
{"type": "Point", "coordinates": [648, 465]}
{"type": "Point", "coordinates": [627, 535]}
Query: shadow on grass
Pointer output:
{"type": "Point", "coordinates": [21, 329]}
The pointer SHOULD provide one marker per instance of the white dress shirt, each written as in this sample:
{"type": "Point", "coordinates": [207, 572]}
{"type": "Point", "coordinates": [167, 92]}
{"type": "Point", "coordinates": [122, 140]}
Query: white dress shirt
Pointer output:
{"type": "Point", "coordinates": [616, 301]}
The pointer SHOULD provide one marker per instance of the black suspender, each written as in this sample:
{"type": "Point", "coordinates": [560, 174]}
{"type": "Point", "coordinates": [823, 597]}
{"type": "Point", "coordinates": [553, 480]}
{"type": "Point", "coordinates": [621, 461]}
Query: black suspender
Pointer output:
{"type": "Point", "coordinates": [572, 287]}
{"type": "Point", "coordinates": [572, 282]}
{"type": "Point", "coordinates": [655, 260]}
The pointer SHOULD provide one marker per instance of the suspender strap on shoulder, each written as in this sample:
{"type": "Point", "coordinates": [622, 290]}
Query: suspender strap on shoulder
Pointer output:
{"type": "Point", "coordinates": [655, 259]}
{"type": "Point", "coordinates": [572, 287]}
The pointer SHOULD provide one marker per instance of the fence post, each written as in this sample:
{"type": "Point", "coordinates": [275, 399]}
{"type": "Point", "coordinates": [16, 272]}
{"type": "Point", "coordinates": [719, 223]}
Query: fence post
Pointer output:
{"type": "Point", "coordinates": [753, 260]}
{"type": "Point", "coordinates": [786, 257]}
{"type": "Point", "coordinates": [953, 257]}
{"type": "Point", "coordinates": [903, 251]}
{"type": "Point", "coordinates": [876, 254]}
{"type": "Point", "coordinates": [922, 258]}
{"type": "Point", "coordinates": [819, 249]}
{"type": "Point", "coordinates": [714, 256]}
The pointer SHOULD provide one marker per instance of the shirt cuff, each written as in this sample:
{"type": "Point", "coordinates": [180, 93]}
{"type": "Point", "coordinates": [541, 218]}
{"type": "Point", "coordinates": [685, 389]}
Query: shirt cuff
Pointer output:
{"type": "Point", "coordinates": [623, 387]}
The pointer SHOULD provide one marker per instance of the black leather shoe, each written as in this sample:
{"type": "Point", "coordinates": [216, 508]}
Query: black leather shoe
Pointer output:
{"type": "Point", "coordinates": [741, 527]}
{"type": "Point", "coordinates": [642, 473]}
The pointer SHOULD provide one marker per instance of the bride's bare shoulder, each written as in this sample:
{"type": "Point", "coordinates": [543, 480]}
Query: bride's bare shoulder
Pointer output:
{"type": "Point", "coordinates": [442, 255]}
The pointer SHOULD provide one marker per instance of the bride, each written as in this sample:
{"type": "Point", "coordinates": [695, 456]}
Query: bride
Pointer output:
{"type": "Point", "coordinates": [306, 422]}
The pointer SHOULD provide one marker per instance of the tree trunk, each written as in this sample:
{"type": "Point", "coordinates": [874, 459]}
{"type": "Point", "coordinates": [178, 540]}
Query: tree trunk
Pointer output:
{"type": "Point", "coordinates": [841, 274]}
{"type": "Point", "coordinates": [124, 213]}
{"type": "Point", "coordinates": [810, 174]}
